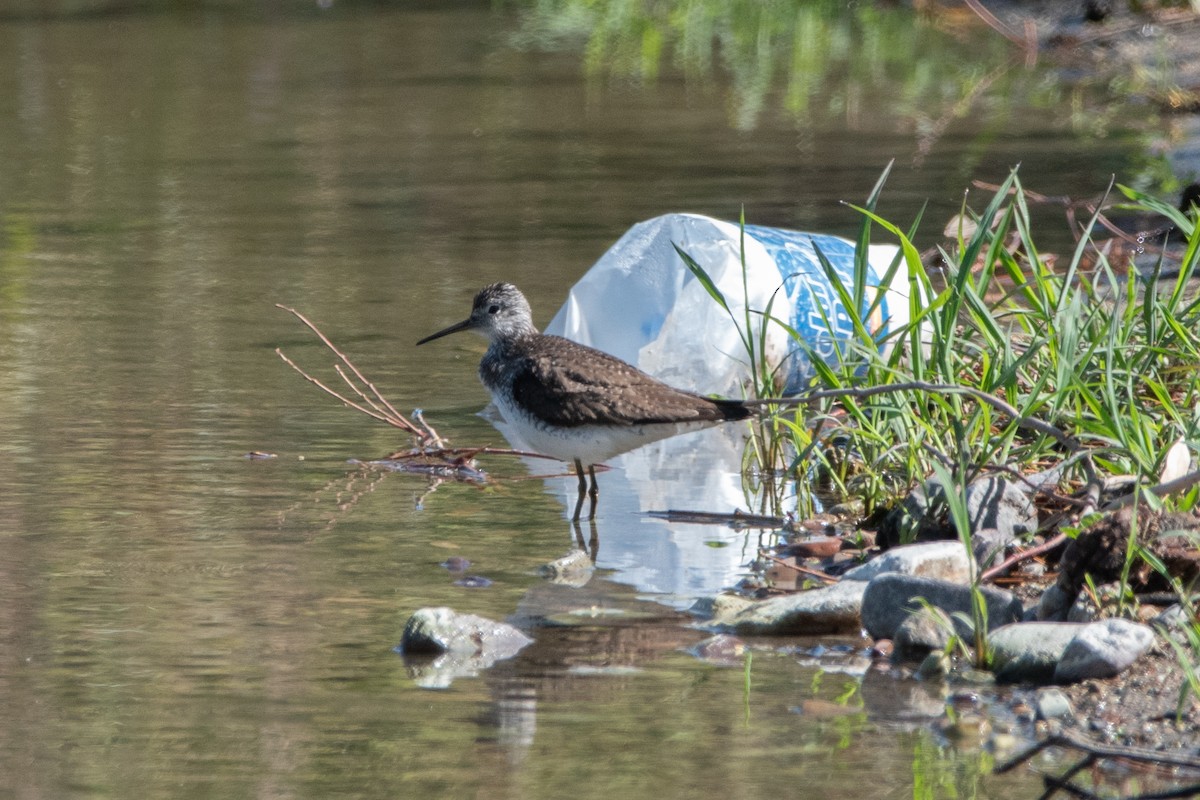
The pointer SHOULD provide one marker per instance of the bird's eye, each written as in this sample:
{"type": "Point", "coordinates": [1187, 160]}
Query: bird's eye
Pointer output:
{"type": "Point", "coordinates": [493, 309]}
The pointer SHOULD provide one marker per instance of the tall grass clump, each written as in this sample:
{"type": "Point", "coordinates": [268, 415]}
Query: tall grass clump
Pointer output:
{"type": "Point", "coordinates": [1084, 367]}
{"type": "Point", "coordinates": [1008, 364]}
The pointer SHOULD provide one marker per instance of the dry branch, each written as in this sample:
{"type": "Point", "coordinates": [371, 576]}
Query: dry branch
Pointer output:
{"type": "Point", "coordinates": [376, 405]}
{"type": "Point", "coordinates": [1183, 766]}
{"type": "Point", "coordinates": [430, 454]}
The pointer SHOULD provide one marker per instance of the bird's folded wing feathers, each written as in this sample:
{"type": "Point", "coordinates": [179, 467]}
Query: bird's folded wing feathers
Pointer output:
{"type": "Point", "coordinates": [551, 388]}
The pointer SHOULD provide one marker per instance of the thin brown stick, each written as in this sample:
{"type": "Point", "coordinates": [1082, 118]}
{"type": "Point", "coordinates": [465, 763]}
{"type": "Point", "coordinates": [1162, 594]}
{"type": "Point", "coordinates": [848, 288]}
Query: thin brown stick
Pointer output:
{"type": "Point", "coordinates": [398, 422]}
{"type": "Point", "coordinates": [459, 452]}
{"type": "Point", "coordinates": [387, 414]}
{"type": "Point", "coordinates": [1024, 555]}
{"type": "Point", "coordinates": [341, 356]}
{"type": "Point", "coordinates": [1153, 757]}
{"type": "Point", "coordinates": [815, 573]}
{"type": "Point", "coordinates": [358, 391]}
{"type": "Point", "coordinates": [1061, 199]}
{"type": "Point", "coordinates": [1027, 42]}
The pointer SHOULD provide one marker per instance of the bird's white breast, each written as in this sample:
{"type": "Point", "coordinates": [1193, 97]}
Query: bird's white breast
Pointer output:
{"type": "Point", "coordinates": [591, 444]}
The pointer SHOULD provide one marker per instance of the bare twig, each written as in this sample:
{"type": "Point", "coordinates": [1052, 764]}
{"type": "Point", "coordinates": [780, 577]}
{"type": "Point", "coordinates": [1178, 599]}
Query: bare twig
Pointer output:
{"type": "Point", "coordinates": [399, 422]}
{"type": "Point", "coordinates": [377, 406]}
{"type": "Point", "coordinates": [325, 340]}
{"type": "Point", "coordinates": [815, 573]}
{"type": "Point", "coordinates": [1061, 199]}
{"type": "Point", "coordinates": [434, 436]}
{"type": "Point", "coordinates": [737, 519]}
{"type": "Point", "coordinates": [1093, 752]}
{"type": "Point", "coordinates": [1019, 419]}
{"type": "Point", "coordinates": [1024, 555]}
{"type": "Point", "coordinates": [1180, 484]}
{"type": "Point", "coordinates": [358, 391]}
{"type": "Point", "coordinates": [1026, 41]}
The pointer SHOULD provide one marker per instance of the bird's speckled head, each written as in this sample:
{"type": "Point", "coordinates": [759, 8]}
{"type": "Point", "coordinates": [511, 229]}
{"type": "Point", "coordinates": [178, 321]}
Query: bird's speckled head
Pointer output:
{"type": "Point", "coordinates": [500, 312]}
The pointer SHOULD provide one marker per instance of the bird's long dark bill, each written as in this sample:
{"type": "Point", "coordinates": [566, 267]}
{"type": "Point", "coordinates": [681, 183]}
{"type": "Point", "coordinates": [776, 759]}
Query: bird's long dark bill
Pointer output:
{"type": "Point", "coordinates": [461, 326]}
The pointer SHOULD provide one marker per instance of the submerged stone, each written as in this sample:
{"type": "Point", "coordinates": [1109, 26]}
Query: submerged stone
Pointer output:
{"type": "Point", "coordinates": [444, 630]}
{"type": "Point", "coordinates": [1051, 704]}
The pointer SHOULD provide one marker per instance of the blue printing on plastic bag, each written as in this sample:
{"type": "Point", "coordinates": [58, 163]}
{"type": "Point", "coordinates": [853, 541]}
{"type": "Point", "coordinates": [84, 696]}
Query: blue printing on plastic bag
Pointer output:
{"type": "Point", "coordinates": [808, 291]}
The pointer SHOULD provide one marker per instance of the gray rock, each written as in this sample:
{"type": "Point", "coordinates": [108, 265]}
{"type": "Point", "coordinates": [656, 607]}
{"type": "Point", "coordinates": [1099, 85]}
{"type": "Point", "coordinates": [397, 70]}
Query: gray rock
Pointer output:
{"type": "Point", "coordinates": [999, 510]}
{"type": "Point", "coordinates": [830, 609]}
{"type": "Point", "coordinates": [440, 645]}
{"type": "Point", "coordinates": [1051, 704]}
{"type": "Point", "coordinates": [990, 546]}
{"type": "Point", "coordinates": [891, 597]}
{"type": "Point", "coordinates": [1029, 652]}
{"type": "Point", "coordinates": [444, 630]}
{"type": "Point", "coordinates": [923, 631]}
{"type": "Point", "coordinates": [1172, 620]}
{"type": "Point", "coordinates": [1103, 649]}
{"type": "Point", "coordinates": [1084, 610]}
{"type": "Point", "coordinates": [836, 608]}
{"type": "Point", "coordinates": [1067, 652]}
{"type": "Point", "coordinates": [946, 561]}
{"type": "Point", "coordinates": [720, 607]}
{"type": "Point", "coordinates": [1053, 605]}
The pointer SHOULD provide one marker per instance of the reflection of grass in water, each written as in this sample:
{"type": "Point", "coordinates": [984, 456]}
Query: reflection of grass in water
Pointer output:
{"type": "Point", "coordinates": [862, 63]}
{"type": "Point", "coordinates": [936, 777]}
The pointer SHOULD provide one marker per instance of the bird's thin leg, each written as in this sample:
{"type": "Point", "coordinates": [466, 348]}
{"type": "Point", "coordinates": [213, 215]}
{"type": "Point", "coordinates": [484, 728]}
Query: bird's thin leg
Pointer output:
{"type": "Point", "coordinates": [582, 490]}
{"type": "Point", "coordinates": [592, 545]}
{"type": "Point", "coordinates": [594, 541]}
{"type": "Point", "coordinates": [593, 492]}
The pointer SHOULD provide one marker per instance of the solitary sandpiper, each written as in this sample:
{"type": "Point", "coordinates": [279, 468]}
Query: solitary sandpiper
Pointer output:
{"type": "Point", "coordinates": [571, 401]}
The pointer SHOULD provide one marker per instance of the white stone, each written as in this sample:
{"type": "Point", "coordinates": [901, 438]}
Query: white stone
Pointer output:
{"type": "Point", "coordinates": [947, 561]}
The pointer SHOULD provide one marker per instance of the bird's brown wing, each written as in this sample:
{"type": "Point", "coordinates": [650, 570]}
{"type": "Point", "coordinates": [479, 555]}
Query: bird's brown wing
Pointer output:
{"type": "Point", "coordinates": [568, 384]}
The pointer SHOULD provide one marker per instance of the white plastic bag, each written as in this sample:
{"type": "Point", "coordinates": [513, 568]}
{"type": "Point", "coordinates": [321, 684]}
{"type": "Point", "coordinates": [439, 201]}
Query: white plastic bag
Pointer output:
{"type": "Point", "coordinates": [640, 302]}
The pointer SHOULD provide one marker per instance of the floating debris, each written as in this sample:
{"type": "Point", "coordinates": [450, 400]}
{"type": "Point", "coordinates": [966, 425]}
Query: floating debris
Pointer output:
{"type": "Point", "coordinates": [736, 520]}
{"type": "Point", "coordinates": [473, 582]}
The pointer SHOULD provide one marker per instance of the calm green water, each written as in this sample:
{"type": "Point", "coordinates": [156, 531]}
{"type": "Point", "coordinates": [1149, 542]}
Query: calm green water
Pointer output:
{"type": "Point", "coordinates": [177, 620]}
